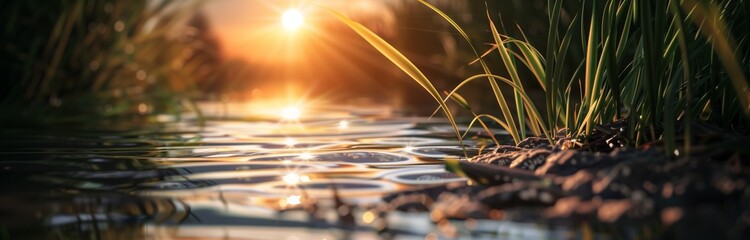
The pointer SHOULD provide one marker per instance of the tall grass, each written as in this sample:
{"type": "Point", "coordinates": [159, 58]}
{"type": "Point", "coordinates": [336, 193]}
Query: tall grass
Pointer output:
{"type": "Point", "coordinates": [658, 64]}
{"type": "Point", "coordinates": [86, 59]}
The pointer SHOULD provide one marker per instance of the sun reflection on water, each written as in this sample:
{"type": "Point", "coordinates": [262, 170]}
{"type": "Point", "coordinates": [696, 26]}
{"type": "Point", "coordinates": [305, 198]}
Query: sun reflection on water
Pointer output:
{"type": "Point", "coordinates": [294, 199]}
{"type": "Point", "coordinates": [290, 142]}
{"type": "Point", "coordinates": [343, 124]}
{"type": "Point", "coordinates": [306, 156]}
{"type": "Point", "coordinates": [294, 178]}
{"type": "Point", "coordinates": [290, 200]}
{"type": "Point", "coordinates": [408, 148]}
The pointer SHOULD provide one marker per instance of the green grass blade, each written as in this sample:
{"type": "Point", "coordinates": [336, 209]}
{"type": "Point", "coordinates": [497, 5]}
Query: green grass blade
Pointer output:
{"type": "Point", "coordinates": [713, 26]}
{"type": "Point", "coordinates": [399, 60]}
{"type": "Point", "coordinates": [587, 101]}
{"type": "Point", "coordinates": [686, 77]}
{"type": "Point", "coordinates": [499, 97]}
{"type": "Point", "coordinates": [551, 94]}
{"type": "Point", "coordinates": [511, 69]}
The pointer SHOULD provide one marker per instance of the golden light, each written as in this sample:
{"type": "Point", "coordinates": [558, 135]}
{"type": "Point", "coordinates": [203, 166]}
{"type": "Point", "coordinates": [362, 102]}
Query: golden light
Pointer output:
{"type": "Point", "coordinates": [291, 113]}
{"type": "Point", "coordinates": [292, 19]}
{"type": "Point", "coordinates": [408, 148]}
{"type": "Point", "coordinates": [343, 124]}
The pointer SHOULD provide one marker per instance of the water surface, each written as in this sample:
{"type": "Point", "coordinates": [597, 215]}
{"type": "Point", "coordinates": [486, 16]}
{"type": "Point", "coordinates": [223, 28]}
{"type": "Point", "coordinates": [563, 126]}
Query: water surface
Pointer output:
{"type": "Point", "coordinates": [240, 175]}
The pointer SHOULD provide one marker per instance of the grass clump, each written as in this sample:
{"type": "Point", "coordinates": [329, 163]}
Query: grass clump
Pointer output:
{"type": "Point", "coordinates": [658, 64]}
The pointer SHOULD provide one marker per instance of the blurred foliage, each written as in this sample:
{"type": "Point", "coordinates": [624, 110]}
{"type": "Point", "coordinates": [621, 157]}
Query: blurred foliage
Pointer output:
{"type": "Point", "coordinates": [77, 60]}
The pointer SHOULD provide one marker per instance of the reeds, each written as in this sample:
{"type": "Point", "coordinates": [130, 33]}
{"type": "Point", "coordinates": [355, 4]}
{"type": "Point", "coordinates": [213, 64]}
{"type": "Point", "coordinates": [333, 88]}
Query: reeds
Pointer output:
{"type": "Point", "coordinates": [659, 64]}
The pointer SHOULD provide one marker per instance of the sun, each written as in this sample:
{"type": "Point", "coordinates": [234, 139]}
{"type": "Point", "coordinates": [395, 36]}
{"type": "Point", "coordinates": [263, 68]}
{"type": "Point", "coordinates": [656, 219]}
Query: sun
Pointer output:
{"type": "Point", "coordinates": [291, 113]}
{"type": "Point", "coordinates": [292, 19]}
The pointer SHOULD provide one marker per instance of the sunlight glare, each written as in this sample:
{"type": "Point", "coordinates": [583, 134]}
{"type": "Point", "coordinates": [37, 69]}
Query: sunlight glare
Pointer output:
{"type": "Point", "coordinates": [292, 19]}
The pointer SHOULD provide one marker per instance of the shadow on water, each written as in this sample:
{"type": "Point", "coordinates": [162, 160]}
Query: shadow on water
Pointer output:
{"type": "Point", "coordinates": [313, 178]}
